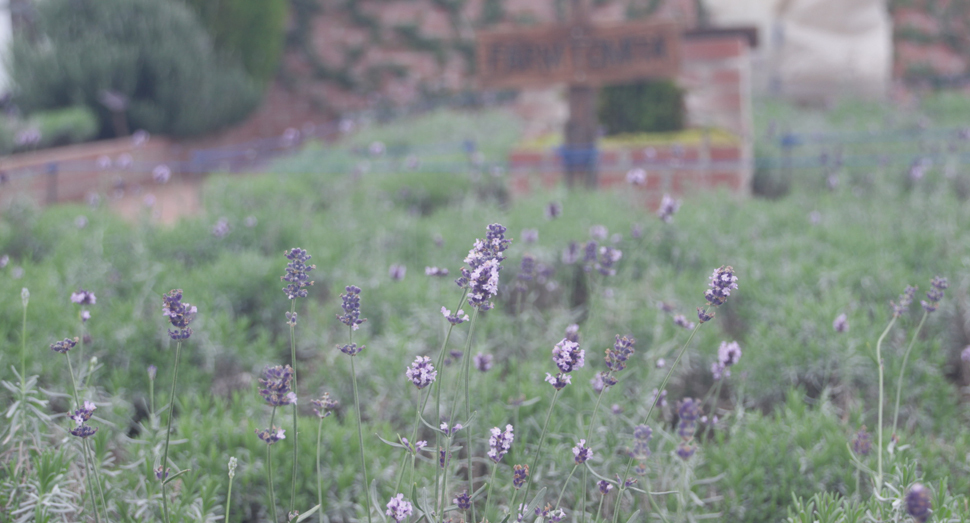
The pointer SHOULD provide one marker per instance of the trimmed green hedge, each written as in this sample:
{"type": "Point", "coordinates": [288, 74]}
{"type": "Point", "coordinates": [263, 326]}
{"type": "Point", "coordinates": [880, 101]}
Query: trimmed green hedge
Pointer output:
{"type": "Point", "coordinates": [642, 107]}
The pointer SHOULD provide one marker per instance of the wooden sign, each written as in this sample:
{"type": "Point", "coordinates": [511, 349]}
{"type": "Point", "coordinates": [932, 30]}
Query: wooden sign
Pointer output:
{"type": "Point", "coordinates": [582, 54]}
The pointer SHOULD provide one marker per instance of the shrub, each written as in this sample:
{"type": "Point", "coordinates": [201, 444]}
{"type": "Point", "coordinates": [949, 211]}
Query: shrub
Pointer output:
{"type": "Point", "coordinates": [642, 107]}
{"type": "Point", "coordinates": [65, 126]}
{"type": "Point", "coordinates": [154, 53]}
{"type": "Point", "coordinates": [248, 31]}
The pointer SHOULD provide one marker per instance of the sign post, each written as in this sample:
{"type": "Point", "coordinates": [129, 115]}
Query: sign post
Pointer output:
{"type": "Point", "coordinates": [585, 56]}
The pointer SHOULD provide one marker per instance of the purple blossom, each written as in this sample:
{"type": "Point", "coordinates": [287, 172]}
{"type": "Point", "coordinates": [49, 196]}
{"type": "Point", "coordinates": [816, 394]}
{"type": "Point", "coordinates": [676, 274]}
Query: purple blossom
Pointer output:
{"type": "Point", "coordinates": [276, 386]}
{"type": "Point", "coordinates": [179, 314]}
{"type": "Point", "coordinates": [297, 273]}
{"type": "Point", "coordinates": [527, 270]}
{"type": "Point", "coordinates": [84, 413]}
{"type": "Point", "coordinates": [668, 206]}
{"type": "Point", "coordinates": [905, 299]}
{"type": "Point", "coordinates": [598, 232]}
{"type": "Point", "coordinates": [935, 294]}
{"type": "Point", "coordinates": [608, 257]}
{"type": "Point", "coordinates": [862, 442]}
{"type": "Point", "coordinates": [161, 474]}
{"type": "Point", "coordinates": [483, 362]}
{"type": "Point", "coordinates": [221, 228]}
{"type": "Point", "coordinates": [83, 431]}
{"type": "Point", "coordinates": [590, 255]}
{"type": "Point", "coordinates": [723, 281]}
{"type": "Point", "coordinates": [918, 503]}
{"type": "Point", "coordinates": [568, 356]}
{"type": "Point", "coordinates": [641, 442]}
{"type": "Point", "coordinates": [530, 235]}
{"type": "Point", "coordinates": [484, 259]}
{"type": "Point", "coordinates": [597, 383]}
{"type": "Point", "coordinates": [397, 272]}
{"type": "Point", "coordinates": [571, 254]}
{"type": "Point", "coordinates": [718, 370]}
{"type": "Point", "coordinates": [398, 508]}
{"type": "Point", "coordinates": [351, 349]}
{"type": "Point", "coordinates": [450, 431]}
{"type": "Point", "coordinates": [520, 473]}
{"type": "Point", "coordinates": [61, 347]}
{"type": "Point", "coordinates": [417, 447]}
{"type": "Point", "coordinates": [324, 406]}
{"type": "Point", "coordinates": [703, 316]}
{"type": "Point", "coordinates": [689, 409]}
{"type": "Point", "coordinates": [454, 319]}
{"type": "Point", "coordinates": [660, 401]}
{"type": "Point", "coordinates": [681, 321]}
{"type": "Point", "coordinates": [553, 210]}
{"type": "Point", "coordinates": [500, 442]}
{"type": "Point", "coordinates": [161, 174]}
{"type": "Point", "coordinates": [271, 435]}
{"type": "Point", "coordinates": [661, 363]}
{"type": "Point", "coordinates": [617, 356]}
{"type": "Point", "coordinates": [685, 450]}
{"type": "Point", "coordinates": [581, 452]}
{"type": "Point", "coordinates": [435, 272]}
{"type": "Point", "coordinates": [572, 333]}
{"type": "Point", "coordinates": [616, 409]}
{"type": "Point", "coordinates": [559, 381]}
{"type": "Point", "coordinates": [605, 486]}
{"type": "Point", "coordinates": [463, 501]}
{"type": "Point", "coordinates": [550, 514]}
{"type": "Point", "coordinates": [83, 297]}
{"type": "Point", "coordinates": [351, 306]}
{"type": "Point", "coordinates": [421, 372]}
{"type": "Point", "coordinates": [728, 354]}
{"type": "Point", "coordinates": [841, 323]}
{"type": "Point", "coordinates": [965, 353]}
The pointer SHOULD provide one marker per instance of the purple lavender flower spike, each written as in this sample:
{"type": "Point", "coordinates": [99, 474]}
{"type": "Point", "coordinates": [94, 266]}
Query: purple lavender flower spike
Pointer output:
{"type": "Point", "coordinates": [703, 316]}
{"type": "Point", "coordinates": [608, 257]}
{"type": "Point", "coordinates": [598, 232]}
{"type": "Point", "coordinates": [180, 315]}
{"type": "Point", "coordinates": [530, 235]}
{"type": "Point", "coordinates": [728, 354]}
{"type": "Point", "coordinates": [520, 473]}
{"type": "Point", "coordinates": [351, 307]}
{"type": "Point", "coordinates": [841, 323]}
{"type": "Point", "coordinates": [421, 372]}
{"type": "Point", "coordinates": [685, 450]}
{"type": "Point", "coordinates": [463, 501]}
{"type": "Point", "coordinates": [398, 508]}
{"type": "Point", "coordinates": [862, 442]}
{"type": "Point", "coordinates": [589, 255]}
{"type": "Point", "coordinates": [901, 307]}
{"type": "Point", "coordinates": [456, 318]}
{"type": "Point", "coordinates": [297, 273]}
{"type": "Point", "coordinates": [61, 347]}
{"type": "Point", "coordinates": [935, 294]}
{"type": "Point", "coordinates": [324, 406]}
{"type": "Point", "coordinates": [550, 514]}
{"type": "Point", "coordinates": [689, 409]}
{"type": "Point", "coordinates": [568, 356]}
{"type": "Point", "coordinates": [449, 430]}
{"type": "Point", "coordinates": [83, 297]}
{"type": "Point", "coordinates": [83, 431]}
{"type": "Point", "coordinates": [397, 272]}
{"type": "Point", "coordinates": [527, 270]}
{"type": "Point", "coordinates": [723, 281]}
{"type": "Point", "coordinates": [276, 386]}
{"type": "Point", "coordinates": [271, 435]}
{"type": "Point", "coordinates": [559, 381]}
{"type": "Point", "coordinates": [351, 349]}
{"type": "Point", "coordinates": [572, 333]}
{"type": "Point", "coordinates": [668, 206]}
{"type": "Point", "coordinates": [660, 398]}
{"type": "Point", "coordinates": [500, 442]}
{"type": "Point", "coordinates": [483, 362]}
{"type": "Point", "coordinates": [484, 263]}
{"type": "Point", "coordinates": [435, 272]}
{"type": "Point", "coordinates": [571, 254]}
{"type": "Point", "coordinates": [605, 487]}
{"type": "Point", "coordinates": [681, 321]}
{"type": "Point", "coordinates": [581, 452]}
{"type": "Point", "coordinates": [553, 210]}
{"type": "Point", "coordinates": [918, 503]}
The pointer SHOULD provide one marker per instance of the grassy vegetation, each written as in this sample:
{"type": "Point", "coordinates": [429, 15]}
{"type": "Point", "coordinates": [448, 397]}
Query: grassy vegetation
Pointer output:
{"type": "Point", "coordinates": [788, 410]}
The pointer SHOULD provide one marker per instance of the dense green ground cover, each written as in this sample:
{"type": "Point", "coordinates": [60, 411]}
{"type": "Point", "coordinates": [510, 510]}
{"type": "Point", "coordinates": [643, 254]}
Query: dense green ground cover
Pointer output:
{"type": "Point", "coordinates": [798, 394]}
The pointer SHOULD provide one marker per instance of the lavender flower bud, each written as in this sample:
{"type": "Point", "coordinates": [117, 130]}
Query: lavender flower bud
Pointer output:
{"type": "Point", "coordinates": [397, 272]}
{"type": "Point", "coordinates": [221, 228]}
{"type": "Point", "coordinates": [276, 386]}
{"type": "Point", "coordinates": [324, 406]}
{"type": "Point", "coordinates": [450, 431]}
{"type": "Point", "coordinates": [85, 316]}
{"type": "Point", "coordinates": [681, 321]}
{"type": "Point", "coordinates": [841, 323]}
{"type": "Point", "coordinates": [161, 474]}
{"type": "Point", "coordinates": [232, 467]}
{"type": "Point", "coordinates": [581, 452]}
{"type": "Point", "coordinates": [589, 255]}
{"type": "Point", "coordinates": [83, 297]}
{"type": "Point", "coordinates": [572, 333]}
{"type": "Point", "coordinates": [605, 487]}
{"type": "Point", "coordinates": [608, 257]}
{"type": "Point", "coordinates": [500, 443]}
{"type": "Point", "coordinates": [398, 508]}
{"type": "Point", "coordinates": [703, 316]}
{"type": "Point", "coordinates": [935, 294]}
{"type": "Point", "coordinates": [84, 431]}
{"type": "Point", "coordinates": [271, 435]}
{"type": "Point", "coordinates": [180, 315]}
{"type": "Point", "coordinates": [685, 450]}
{"type": "Point", "coordinates": [559, 381]}
{"type": "Point", "coordinates": [24, 296]}
{"type": "Point", "coordinates": [862, 442]}
{"type": "Point", "coordinates": [568, 356]}
{"type": "Point", "coordinates": [918, 502]}
{"type": "Point", "coordinates": [553, 210]}
{"type": "Point", "coordinates": [351, 349]}
{"type": "Point", "coordinates": [435, 272]}
{"type": "Point", "coordinates": [905, 299]}
{"type": "Point", "coordinates": [152, 372]}
{"type": "Point", "coordinates": [421, 372]}
{"type": "Point", "coordinates": [571, 254]}
{"type": "Point", "coordinates": [463, 501]}
{"type": "Point", "coordinates": [723, 281]}
{"type": "Point", "coordinates": [597, 383]}
{"type": "Point", "coordinates": [520, 473]}
{"type": "Point", "coordinates": [483, 362]}
{"type": "Point", "coordinates": [291, 318]}
{"type": "Point", "coordinates": [728, 353]}
{"type": "Point", "coordinates": [668, 206]}
{"type": "Point", "coordinates": [61, 347]}
{"type": "Point", "coordinates": [454, 319]}
{"type": "Point", "coordinates": [689, 409]}
{"type": "Point", "coordinates": [351, 307]}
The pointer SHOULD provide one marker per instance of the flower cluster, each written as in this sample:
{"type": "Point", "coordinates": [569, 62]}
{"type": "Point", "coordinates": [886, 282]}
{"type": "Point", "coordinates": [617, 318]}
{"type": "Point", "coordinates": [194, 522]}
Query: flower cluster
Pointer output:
{"type": "Point", "coordinates": [271, 435]}
{"type": "Point", "coordinates": [450, 431]}
{"type": "Point", "coordinates": [668, 206]}
{"type": "Point", "coordinates": [900, 307]}
{"type": "Point", "coordinates": [723, 281]}
{"type": "Point", "coordinates": [590, 256]}
{"type": "Point", "coordinates": [581, 452]}
{"type": "Point", "coordinates": [862, 442]}
{"type": "Point", "coordinates": [421, 372]}
{"type": "Point", "coordinates": [83, 297]}
{"type": "Point", "coordinates": [500, 442]}
{"type": "Point", "coordinates": [918, 502]}
{"type": "Point", "coordinates": [276, 386]}
{"type": "Point", "coordinates": [550, 514]}
{"type": "Point", "coordinates": [398, 508]}
{"type": "Point", "coordinates": [572, 333]}
{"type": "Point", "coordinates": [324, 406]}
{"type": "Point", "coordinates": [607, 258]}
{"type": "Point", "coordinates": [484, 263]}
{"type": "Point", "coordinates": [351, 349]}
{"type": "Point", "coordinates": [483, 362]}
{"type": "Point", "coordinates": [727, 355]}
{"type": "Point", "coordinates": [456, 318]}
{"type": "Point", "coordinates": [605, 486]}
{"type": "Point", "coordinates": [571, 254]}
{"type": "Point", "coordinates": [935, 294]}
{"type": "Point", "coordinates": [463, 501]}
{"type": "Point", "coordinates": [64, 345]}
{"type": "Point", "coordinates": [435, 272]}
{"type": "Point", "coordinates": [681, 321]}
{"type": "Point", "coordinates": [351, 306]}
{"type": "Point", "coordinates": [559, 381]}
{"type": "Point", "coordinates": [568, 356]}
{"type": "Point", "coordinates": [641, 442]}
{"type": "Point", "coordinates": [296, 276]}
{"type": "Point", "coordinates": [659, 398]}
{"type": "Point", "coordinates": [841, 323]}
{"type": "Point", "coordinates": [520, 473]}
{"type": "Point", "coordinates": [616, 358]}
{"type": "Point", "coordinates": [397, 271]}
{"type": "Point", "coordinates": [180, 315]}
{"type": "Point", "coordinates": [81, 416]}
{"type": "Point", "coordinates": [417, 447]}
{"type": "Point", "coordinates": [553, 210]}
{"type": "Point", "coordinates": [527, 269]}
{"type": "Point", "coordinates": [689, 411]}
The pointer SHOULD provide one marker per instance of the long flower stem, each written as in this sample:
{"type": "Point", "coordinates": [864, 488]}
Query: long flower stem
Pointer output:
{"type": "Point", "coordinates": [653, 404]}
{"type": "Point", "coordinates": [414, 435]}
{"type": "Point", "coordinates": [566, 484]}
{"type": "Point", "coordinates": [879, 432]}
{"type": "Point", "coordinates": [360, 440]}
{"type": "Point", "coordinates": [437, 404]}
{"type": "Point", "coordinates": [23, 356]}
{"type": "Point", "coordinates": [488, 496]}
{"type": "Point", "coordinates": [168, 431]}
{"type": "Point", "coordinates": [542, 435]}
{"type": "Point", "coordinates": [269, 469]}
{"type": "Point", "coordinates": [468, 412]}
{"type": "Point", "coordinates": [902, 371]}
{"type": "Point", "coordinates": [296, 389]}
{"type": "Point", "coordinates": [444, 481]}
{"type": "Point", "coordinates": [84, 443]}
{"type": "Point", "coordinates": [319, 472]}
{"type": "Point", "coordinates": [228, 499]}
